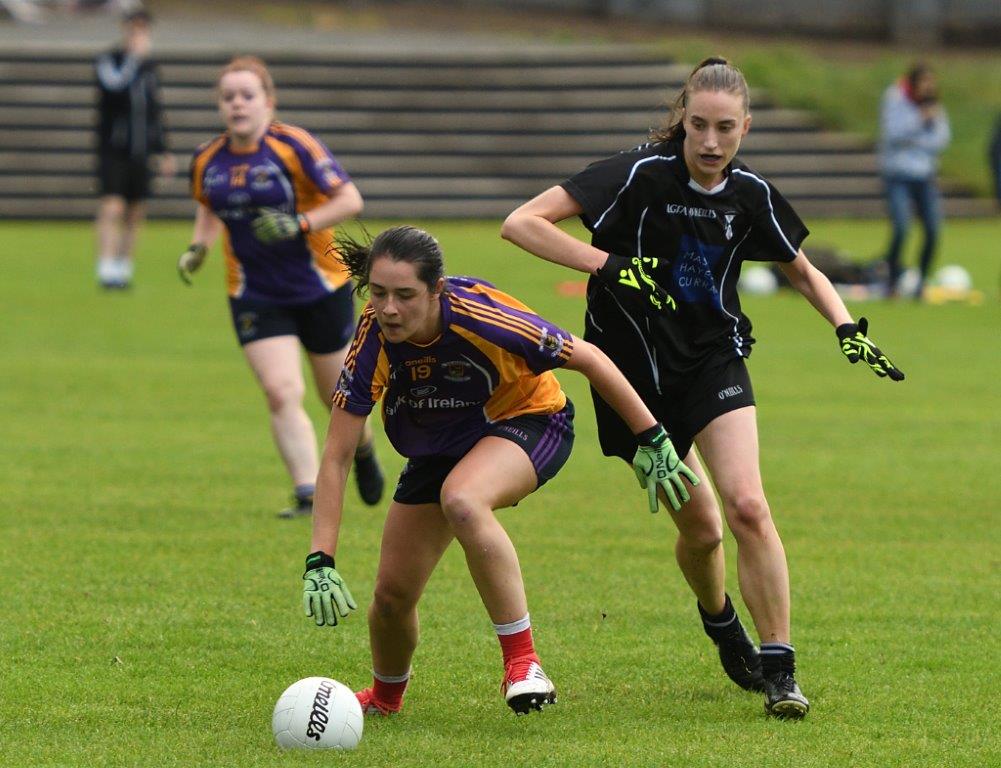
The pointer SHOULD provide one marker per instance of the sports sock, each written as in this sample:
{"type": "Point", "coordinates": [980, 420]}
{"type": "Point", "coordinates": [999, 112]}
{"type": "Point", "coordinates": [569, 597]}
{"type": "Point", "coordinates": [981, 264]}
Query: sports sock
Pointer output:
{"type": "Point", "coordinates": [722, 619]}
{"type": "Point", "coordinates": [776, 658]}
{"type": "Point", "coordinates": [125, 268]}
{"type": "Point", "coordinates": [516, 638]}
{"type": "Point", "coordinates": [305, 491]}
{"type": "Point", "coordinates": [389, 689]}
{"type": "Point", "coordinates": [364, 450]}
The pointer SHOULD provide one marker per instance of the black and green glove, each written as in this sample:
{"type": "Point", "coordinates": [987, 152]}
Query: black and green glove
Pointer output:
{"type": "Point", "coordinates": [857, 346]}
{"type": "Point", "coordinates": [657, 464]}
{"type": "Point", "coordinates": [272, 226]}
{"type": "Point", "coordinates": [324, 593]}
{"type": "Point", "coordinates": [632, 273]}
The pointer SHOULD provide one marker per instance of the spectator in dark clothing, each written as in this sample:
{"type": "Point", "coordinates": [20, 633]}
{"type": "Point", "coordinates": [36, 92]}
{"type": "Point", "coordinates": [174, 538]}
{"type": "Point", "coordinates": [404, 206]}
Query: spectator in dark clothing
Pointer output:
{"type": "Point", "coordinates": [994, 155]}
{"type": "Point", "coordinates": [130, 137]}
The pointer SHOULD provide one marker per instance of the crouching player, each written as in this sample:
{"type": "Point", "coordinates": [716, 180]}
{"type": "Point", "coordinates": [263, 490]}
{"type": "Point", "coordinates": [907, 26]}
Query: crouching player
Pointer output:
{"type": "Point", "coordinates": [464, 373]}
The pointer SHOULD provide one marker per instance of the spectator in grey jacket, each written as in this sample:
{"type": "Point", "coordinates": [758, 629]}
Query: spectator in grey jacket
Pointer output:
{"type": "Point", "coordinates": [130, 135]}
{"type": "Point", "coordinates": [914, 131]}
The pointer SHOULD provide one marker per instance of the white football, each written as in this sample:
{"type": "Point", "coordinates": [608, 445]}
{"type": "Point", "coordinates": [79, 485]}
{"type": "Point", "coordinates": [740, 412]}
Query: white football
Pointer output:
{"type": "Point", "coordinates": [317, 713]}
{"type": "Point", "coordinates": [757, 280]}
{"type": "Point", "coordinates": [954, 277]}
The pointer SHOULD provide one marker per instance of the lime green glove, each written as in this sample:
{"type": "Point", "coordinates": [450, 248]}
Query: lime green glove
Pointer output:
{"type": "Point", "coordinates": [324, 593]}
{"type": "Point", "coordinates": [855, 345]}
{"type": "Point", "coordinates": [656, 463]}
{"type": "Point", "coordinates": [272, 226]}
{"type": "Point", "coordinates": [191, 261]}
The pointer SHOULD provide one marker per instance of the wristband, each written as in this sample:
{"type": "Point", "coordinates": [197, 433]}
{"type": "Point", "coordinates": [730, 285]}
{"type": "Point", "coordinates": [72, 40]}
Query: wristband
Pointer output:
{"type": "Point", "coordinates": [319, 559]}
{"type": "Point", "coordinates": [650, 436]}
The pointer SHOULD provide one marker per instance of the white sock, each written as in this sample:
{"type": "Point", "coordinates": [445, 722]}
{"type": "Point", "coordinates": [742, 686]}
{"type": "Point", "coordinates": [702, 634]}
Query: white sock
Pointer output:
{"type": "Point", "coordinates": [124, 267]}
{"type": "Point", "coordinates": [107, 269]}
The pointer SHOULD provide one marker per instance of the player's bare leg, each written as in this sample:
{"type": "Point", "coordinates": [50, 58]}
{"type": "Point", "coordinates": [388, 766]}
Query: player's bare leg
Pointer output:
{"type": "Point", "coordinates": [414, 538]}
{"type": "Point", "coordinates": [368, 473]}
{"type": "Point", "coordinates": [276, 364]}
{"type": "Point", "coordinates": [495, 474]}
{"type": "Point", "coordinates": [729, 445]}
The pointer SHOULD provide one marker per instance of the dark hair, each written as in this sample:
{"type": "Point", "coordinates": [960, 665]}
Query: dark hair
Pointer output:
{"type": "Point", "coordinates": [712, 74]}
{"type": "Point", "coordinates": [137, 14]}
{"type": "Point", "coordinates": [403, 243]}
{"type": "Point", "coordinates": [918, 70]}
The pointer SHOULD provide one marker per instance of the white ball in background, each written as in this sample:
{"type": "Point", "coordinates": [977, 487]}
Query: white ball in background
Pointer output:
{"type": "Point", "coordinates": [954, 277]}
{"type": "Point", "coordinates": [757, 280]}
{"type": "Point", "coordinates": [317, 713]}
{"type": "Point", "coordinates": [908, 281]}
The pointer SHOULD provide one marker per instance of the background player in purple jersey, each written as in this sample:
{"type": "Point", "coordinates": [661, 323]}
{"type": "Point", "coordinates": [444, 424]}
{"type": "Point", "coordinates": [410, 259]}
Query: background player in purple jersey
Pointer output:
{"type": "Point", "coordinates": [464, 373]}
{"type": "Point", "coordinates": [671, 222]}
{"type": "Point", "coordinates": [274, 192]}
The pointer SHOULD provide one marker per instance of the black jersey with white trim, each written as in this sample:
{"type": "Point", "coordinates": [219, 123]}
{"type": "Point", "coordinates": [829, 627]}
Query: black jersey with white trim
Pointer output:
{"type": "Point", "coordinates": [692, 242]}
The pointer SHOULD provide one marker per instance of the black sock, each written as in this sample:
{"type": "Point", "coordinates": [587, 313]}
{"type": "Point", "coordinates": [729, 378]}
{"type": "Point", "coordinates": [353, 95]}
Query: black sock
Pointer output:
{"type": "Point", "coordinates": [776, 658]}
{"type": "Point", "coordinates": [305, 492]}
{"type": "Point", "coordinates": [722, 619]}
{"type": "Point", "coordinates": [364, 451]}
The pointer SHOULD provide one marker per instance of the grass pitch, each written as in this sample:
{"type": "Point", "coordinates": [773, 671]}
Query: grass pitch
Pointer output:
{"type": "Point", "coordinates": [151, 604]}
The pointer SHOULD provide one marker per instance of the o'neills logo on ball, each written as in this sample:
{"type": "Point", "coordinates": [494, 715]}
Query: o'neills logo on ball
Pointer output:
{"type": "Point", "coordinates": [319, 717]}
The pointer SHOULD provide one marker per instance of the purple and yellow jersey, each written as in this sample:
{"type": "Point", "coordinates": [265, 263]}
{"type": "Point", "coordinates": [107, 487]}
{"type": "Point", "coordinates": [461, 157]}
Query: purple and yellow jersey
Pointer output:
{"type": "Point", "coordinates": [492, 361]}
{"type": "Point", "coordinates": [289, 170]}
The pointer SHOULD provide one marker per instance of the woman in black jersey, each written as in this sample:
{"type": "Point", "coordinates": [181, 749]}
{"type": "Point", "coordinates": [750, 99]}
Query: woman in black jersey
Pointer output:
{"type": "Point", "coordinates": [671, 223]}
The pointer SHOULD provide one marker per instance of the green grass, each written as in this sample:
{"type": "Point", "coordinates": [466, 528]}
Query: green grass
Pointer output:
{"type": "Point", "coordinates": [151, 611]}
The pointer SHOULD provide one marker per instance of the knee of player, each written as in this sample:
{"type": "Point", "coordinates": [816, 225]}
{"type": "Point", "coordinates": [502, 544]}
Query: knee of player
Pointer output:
{"type": "Point", "coordinates": [283, 392]}
{"type": "Point", "coordinates": [460, 507]}
{"type": "Point", "coordinates": [391, 600]}
{"type": "Point", "coordinates": [748, 514]}
{"type": "Point", "coordinates": [703, 539]}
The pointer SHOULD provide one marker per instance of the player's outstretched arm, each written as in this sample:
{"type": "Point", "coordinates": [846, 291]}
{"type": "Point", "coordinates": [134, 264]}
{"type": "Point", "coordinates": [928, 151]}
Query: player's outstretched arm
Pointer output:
{"type": "Point", "coordinates": [325, 596]}
{"type": "Point", "coordinates": [206, 230]}
{"type": "Point", "coordinates": [855, 345]}
{"type": "Point", "coordinates": [656, 463]}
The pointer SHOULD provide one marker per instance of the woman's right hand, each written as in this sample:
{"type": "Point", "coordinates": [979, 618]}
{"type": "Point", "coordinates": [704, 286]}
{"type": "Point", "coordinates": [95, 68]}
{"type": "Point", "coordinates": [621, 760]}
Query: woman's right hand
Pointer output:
{"type": "Point", "coordinates": [191, 261]}
{"type": "Point", "coordinates": [324, 593]}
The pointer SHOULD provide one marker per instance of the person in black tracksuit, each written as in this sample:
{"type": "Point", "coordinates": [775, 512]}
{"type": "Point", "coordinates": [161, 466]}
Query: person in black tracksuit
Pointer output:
{"type": "Point", "coordinates": [130, 133]}
{"type": "Point", "coordinates": [672, 221]}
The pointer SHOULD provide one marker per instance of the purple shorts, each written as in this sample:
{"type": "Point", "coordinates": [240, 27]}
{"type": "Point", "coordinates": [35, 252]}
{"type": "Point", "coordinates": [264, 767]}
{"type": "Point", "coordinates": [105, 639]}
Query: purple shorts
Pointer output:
{"type": "Point", "coordinates": [547, 439]}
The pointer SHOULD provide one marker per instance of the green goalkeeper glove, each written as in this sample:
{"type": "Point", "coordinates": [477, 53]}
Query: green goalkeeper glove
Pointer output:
{"type": "Point", "coordinates": [324, 593]}
{"type": "Point", "coordinates": [191, 261]}
{"type": "Point", "coordinates": [632, 273]}
{"type": "Point", "coordinates": [272, 226]}
{"type": "Point", "coordinates": [857, 346]}
{"type": "Point", "coordinates": [656, 463]}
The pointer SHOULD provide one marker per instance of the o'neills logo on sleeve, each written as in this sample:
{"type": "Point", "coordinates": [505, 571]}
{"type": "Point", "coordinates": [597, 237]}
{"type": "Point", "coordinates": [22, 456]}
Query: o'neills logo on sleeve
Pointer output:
{"type": "Point", "coordinates": [690, 211]}
{"type": "Point", "coordinates": [319, 716]}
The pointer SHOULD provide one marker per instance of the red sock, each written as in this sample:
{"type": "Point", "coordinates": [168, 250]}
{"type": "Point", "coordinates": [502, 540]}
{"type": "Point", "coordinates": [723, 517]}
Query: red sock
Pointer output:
{"type": "Point", "coordinates": [390, 690]}
{"type": "Point", "coordinates": [517, 644]}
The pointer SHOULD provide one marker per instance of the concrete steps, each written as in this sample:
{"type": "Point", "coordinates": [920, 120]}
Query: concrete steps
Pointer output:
{"type": "Point", "coordinates": [450, 134]}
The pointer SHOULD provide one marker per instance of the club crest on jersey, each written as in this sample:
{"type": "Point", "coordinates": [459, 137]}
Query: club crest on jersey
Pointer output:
{"type": "Point", "coordinates": [728, 224]}
{"type": "Point", "coordinates": [261, 178]}
{"type": "Point", "coordinates": [551, 343]}
{"type": "Point", "coordinates": [457, 370]}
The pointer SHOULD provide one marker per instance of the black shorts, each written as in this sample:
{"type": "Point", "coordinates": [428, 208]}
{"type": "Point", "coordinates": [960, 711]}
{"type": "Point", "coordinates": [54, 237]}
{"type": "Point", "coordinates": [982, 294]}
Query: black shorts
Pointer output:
{"type": "Point", "coordinates": [547, 439]}
{"type": "Point", "coordinates": [123, 176]}
{"type": "Point", "coordinates": [685, 409]}
{"type": "Point", "coordinates": [323, 326]}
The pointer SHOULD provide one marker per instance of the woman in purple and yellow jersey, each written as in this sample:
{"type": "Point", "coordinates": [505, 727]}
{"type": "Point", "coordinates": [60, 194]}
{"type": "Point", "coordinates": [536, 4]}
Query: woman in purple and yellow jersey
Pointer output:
{"type": "Point", "coordinates": [274, 192]}
{"type": "Point", "coordinates": [464, 373]}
